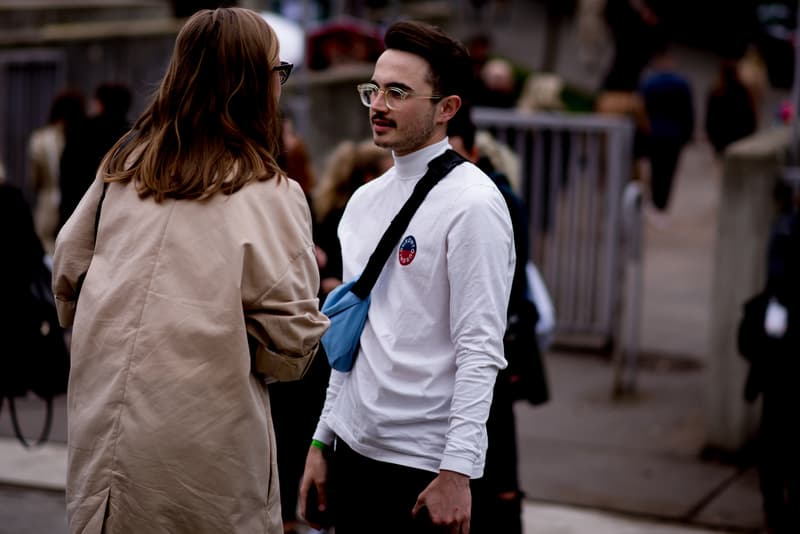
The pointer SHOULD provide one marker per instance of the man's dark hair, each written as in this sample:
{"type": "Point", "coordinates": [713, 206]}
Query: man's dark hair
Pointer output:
{"type": "Point", "coordinates": [449, 60]}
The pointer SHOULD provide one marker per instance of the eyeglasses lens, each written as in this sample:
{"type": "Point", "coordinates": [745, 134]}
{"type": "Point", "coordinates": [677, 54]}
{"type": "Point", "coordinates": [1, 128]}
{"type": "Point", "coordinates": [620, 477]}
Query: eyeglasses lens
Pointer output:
{"type": "Point", "coordinates": [284, 69]}
{"type": "Point", "coordinates": [369, 93]}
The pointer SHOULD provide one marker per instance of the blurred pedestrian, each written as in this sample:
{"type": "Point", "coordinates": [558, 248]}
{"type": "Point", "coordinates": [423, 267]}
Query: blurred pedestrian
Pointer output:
{"type": "Point", "coordinates": [542, 92]}
{"type": "Point", "coordinates": [45, 147]}
{"type": "Point", "coordinates": [22, 256]}
{"type": "Point", "coordinates": [294, 158]}
{"type": "Point", "coordinates": [497, 85]}
{"type": "Point", "coordinates": [635, 30]}
{"type": "Point", "coordinates": [752, 72]}
{"type": "Point", "coordinates": [769, 338]}
{"type": "Point", "coordinates": [402, 462]}
{"type": "Point", "coordinates": [668, 103]}
{"type": "Point", "coordinates": [88, 141]}
{"type": "Point", "coordinates": [194, 287]}
{"type": "Point", "coordinates": [497, 497]}
{"type": "Point", "coordinates": [630, 105]}
{"type": "Point", "coordinates": [350, 165]}
{"type": "Point", "coordinates": [730, 109]}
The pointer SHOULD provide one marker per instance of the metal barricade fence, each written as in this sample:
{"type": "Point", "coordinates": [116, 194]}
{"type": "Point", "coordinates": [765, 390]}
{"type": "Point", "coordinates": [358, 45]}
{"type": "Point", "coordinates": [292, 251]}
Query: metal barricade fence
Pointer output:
{"type": "Point", "coordinates": [574, 171]}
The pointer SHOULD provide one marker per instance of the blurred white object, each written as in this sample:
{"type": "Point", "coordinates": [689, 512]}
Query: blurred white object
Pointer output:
{"type": "Point", "coordinates": [775, 319]}
{"type": "Point", "coordinates": [291, 36]}
{"type": "Point", "coordinates": [546, 326]}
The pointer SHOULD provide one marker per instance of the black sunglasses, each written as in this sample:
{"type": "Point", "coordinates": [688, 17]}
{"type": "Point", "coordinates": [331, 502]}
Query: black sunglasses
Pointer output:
{"type": "Point", "coordinates": [284, 68]}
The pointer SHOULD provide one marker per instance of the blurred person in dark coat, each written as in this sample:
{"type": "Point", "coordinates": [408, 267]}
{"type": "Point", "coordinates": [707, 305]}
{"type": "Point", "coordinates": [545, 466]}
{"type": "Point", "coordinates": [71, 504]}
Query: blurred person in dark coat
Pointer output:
{"type": "Point", "coordinates": [22, 255]}
{"type": "Point", "coordinates": [769, 338]}
{"type": "Point", "coordinates": [730, 109]}
{"type": "Point", "coordinates": [87, 142]}
{"type": "Point", "coordinates": [670, 111]}
{"type": "Point", "coordinates": [45, 146]}
{"type": "Point", "coordinates": [497, 497]}
{"type": "Point", "coordinates": [635, 29]}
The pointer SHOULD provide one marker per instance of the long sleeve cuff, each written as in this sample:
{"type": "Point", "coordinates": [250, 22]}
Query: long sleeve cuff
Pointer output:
{"type": "Point", "coordinates": [324, 434]}
{"type": "Point", "coordinates": [457, 464]}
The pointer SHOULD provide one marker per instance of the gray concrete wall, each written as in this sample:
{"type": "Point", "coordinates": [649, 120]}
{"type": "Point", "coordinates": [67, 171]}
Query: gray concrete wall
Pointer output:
{"type": "Point", "coordinates": [747, 210]}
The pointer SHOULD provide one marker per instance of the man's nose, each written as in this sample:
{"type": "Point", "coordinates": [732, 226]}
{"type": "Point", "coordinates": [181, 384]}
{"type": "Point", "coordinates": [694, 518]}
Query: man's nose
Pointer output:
{"type": "Point", "coordinates": [380, 97]}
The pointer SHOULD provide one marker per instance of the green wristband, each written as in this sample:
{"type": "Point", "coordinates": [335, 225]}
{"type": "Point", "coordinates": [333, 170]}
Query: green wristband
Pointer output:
{"type": "Point", "coordinates": [318, 444]}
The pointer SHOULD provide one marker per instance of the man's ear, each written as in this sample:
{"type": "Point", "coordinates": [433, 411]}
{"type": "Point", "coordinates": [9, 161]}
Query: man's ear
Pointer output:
{"type": "Point", "coordinates": [449, 106]}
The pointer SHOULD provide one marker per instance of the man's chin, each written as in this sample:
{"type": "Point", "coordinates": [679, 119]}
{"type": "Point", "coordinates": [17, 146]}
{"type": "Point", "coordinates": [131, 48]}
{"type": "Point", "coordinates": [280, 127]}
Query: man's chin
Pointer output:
{"type": "Point", "coordinates": [381, 141]}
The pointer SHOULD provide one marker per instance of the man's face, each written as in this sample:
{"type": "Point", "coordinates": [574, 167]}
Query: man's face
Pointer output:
{"type": "Point", "coordinates": [412, 125]}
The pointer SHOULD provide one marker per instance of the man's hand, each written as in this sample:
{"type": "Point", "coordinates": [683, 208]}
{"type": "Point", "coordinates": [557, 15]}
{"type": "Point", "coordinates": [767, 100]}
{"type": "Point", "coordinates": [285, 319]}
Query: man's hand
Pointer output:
{"type": "Point", "coordinates": [448, 501]}
{"type": "Point", "coordinates": [315, 479]}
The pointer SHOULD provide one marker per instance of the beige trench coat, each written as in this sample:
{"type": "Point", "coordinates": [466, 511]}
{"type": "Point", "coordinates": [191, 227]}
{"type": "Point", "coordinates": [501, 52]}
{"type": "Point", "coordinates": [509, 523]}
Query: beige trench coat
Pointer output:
{"type": "Point", "coordinates": [169, 431]}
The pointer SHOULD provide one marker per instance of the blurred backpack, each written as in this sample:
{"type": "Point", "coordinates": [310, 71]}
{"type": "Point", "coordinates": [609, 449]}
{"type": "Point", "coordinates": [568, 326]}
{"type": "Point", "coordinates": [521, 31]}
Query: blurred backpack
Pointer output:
{"type": "Point", "coordinates": [34, 358]}
{"type": "Point", "coordinates": [528, 336]}
{"type": "Point", "coordinates": [531, 320]}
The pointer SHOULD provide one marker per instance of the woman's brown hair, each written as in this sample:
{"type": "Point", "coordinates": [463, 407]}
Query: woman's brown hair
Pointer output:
{"type": "Point", "coordinates": [347, 168]}
{"type": "Point", "coordinates": [213, 125]}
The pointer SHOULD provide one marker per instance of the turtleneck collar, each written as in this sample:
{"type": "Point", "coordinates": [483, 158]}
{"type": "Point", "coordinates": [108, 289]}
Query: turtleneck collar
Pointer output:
{"type": "Point", "coordinates": [413, 166]}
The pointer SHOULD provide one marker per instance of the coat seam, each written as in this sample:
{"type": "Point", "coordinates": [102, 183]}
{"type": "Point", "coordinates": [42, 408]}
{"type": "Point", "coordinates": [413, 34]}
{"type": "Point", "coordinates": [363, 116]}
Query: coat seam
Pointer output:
{"type": "Point", "coordinates": [127, 366]}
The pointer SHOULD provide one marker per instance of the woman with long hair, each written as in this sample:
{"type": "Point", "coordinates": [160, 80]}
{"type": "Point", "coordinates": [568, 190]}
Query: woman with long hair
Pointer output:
{"type": "Point", "coordinates": [349, 166]}
{"type": "Point", "coordinates": [194, 262]}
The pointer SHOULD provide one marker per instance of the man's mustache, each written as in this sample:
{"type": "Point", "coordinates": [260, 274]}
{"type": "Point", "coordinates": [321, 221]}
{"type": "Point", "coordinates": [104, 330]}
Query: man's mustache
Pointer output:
{"type": "Point", "coordinates": [380, 117]}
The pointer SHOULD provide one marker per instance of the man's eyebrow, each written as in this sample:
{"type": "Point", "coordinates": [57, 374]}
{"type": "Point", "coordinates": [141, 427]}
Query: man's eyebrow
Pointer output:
{"type": "Point", "coordinates": [399, 85]}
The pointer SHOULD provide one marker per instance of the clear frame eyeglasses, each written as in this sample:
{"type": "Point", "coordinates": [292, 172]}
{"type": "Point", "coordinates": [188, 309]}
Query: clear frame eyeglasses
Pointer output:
{"type": "Point", "coordinates": [393, 96]}
{"type": "Point", "coordinates": [284, 68]}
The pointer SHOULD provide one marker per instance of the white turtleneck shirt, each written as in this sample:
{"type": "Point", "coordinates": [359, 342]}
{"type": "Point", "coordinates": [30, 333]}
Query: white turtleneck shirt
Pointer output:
{"type": "Point", "coordinates": [420, 390]}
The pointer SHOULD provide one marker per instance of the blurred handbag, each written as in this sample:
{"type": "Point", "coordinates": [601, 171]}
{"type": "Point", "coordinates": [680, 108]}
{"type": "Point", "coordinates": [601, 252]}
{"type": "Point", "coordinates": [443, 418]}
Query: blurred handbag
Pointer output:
{"type": "Point", "coordinates": [347, 305]}
{"type": "Point", "coordinates": [528, 335]}
{"type": "Point", "coordinates": [538, 294]}
{"type": "Point", "coordinates": [525, 373]}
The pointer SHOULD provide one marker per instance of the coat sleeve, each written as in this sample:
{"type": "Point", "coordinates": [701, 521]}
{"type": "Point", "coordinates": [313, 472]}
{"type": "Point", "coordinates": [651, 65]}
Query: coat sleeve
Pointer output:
{"type": "Point", "coordinates": [286, 320]}
{"type": "Point", "coordinates": [73, 253]}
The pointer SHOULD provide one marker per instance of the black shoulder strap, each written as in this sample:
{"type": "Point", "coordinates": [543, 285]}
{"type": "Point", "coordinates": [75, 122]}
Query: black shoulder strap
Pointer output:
{"type": "Point", "coordinates": [129, 137]}
{"type": "Point", "coordinates": [99, 209]}
{"type": "Point", "coordinates": [438, 168]}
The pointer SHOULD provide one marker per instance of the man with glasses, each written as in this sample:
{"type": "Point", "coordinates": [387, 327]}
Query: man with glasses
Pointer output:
{"type": "Point", "coordinates": [406, 427]}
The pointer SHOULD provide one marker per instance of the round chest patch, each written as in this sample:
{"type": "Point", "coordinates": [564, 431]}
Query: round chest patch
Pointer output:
{"type": "Point", "coordinates": [408, 249]}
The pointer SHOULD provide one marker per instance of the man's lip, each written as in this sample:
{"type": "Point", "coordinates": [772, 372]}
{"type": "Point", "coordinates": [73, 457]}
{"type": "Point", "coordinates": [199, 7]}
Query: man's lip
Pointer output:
{"type": "Point", "coordinates": [385, 123]}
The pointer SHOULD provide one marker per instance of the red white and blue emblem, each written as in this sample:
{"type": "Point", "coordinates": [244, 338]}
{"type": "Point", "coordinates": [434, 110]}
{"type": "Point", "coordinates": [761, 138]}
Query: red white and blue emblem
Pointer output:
{"type": "Point", "coordinates": [408, 249]}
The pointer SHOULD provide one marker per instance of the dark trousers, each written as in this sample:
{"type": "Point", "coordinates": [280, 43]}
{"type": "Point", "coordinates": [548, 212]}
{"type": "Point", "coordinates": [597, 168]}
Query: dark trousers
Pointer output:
{"type": "Point", "coordinates": [664, 157]}
{"type": "Point", "coordinates": [371, 496]}
{"type": "Point", "coordinates": [295, 410]}
{"type": "Point", "coordinates": [778, 465]}
{"type": "Point", "coordinates": [492, 514]}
